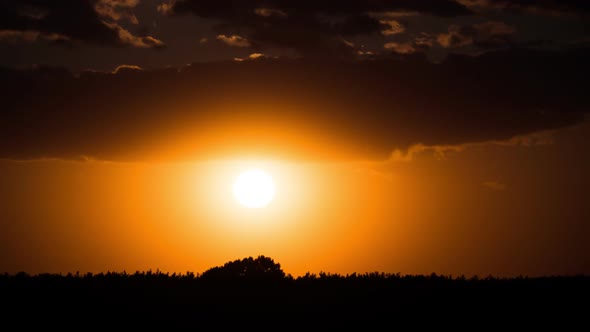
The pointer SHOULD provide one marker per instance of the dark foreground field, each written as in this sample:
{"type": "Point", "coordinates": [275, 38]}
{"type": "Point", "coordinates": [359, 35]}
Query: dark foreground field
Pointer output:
{"type": "Point", "coordinates": [255, 292]}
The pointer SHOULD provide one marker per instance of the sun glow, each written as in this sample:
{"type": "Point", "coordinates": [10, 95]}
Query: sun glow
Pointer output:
{"type": "Point", "coordinates": [254, 188]}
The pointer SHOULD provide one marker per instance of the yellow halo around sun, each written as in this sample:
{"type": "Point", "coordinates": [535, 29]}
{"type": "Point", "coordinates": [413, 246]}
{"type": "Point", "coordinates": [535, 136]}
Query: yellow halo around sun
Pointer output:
{"type": "Point", "coordinates": [254, 188]}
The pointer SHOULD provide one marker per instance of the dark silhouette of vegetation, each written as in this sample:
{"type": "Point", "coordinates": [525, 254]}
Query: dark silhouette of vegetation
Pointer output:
{"type": "Point", "coordinates": [259, 268]}
{"type": "Point", "coordinates": [259, 287]}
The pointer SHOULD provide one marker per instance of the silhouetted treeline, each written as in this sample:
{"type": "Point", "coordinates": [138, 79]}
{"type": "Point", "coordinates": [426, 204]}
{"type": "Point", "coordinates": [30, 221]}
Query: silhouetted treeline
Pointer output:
{"type": "Point", "coordinates": [258, 286]}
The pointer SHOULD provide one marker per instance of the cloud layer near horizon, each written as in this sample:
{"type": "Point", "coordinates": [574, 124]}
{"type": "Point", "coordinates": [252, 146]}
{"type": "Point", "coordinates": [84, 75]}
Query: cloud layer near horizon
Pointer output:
{"type": "Point", "coordinates": [369, 107]}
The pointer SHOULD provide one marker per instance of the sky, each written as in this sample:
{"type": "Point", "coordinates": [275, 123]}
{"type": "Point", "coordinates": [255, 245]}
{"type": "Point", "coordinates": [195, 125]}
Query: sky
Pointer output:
{"type": "Point", "coordinates": [412, 137]}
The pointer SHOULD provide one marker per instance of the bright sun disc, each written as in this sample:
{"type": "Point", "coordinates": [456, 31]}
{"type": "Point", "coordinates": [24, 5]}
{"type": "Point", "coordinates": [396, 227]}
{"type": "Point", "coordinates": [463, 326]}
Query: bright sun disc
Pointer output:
{"type": "Point", "coordinates": [254, 188]}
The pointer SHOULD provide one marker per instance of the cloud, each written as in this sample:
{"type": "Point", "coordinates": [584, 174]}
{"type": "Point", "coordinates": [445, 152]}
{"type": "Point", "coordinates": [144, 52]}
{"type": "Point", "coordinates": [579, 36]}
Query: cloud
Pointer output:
{"type": "Point", "coordinates": [417, 44]}
{"type": "Point", "coordinates": [455, 37]}
{"type": "Point", "coordinates": [401, 48]}
{"type": "Point", "coordinates": [310, 28]}
{"type": "Point", "coordinates": [495, 186]}
{"type": "Point", "coordinates": [127, 38]}
{"type": "Point", "coordinates": [92, 21]}
{"type": "Point", "coordinates": [394, 27]}
{"type": "Point", "coordinates": [293, 108]}
{"type": "Point", "coordinates": [126, 68]}
{"type": "Point", "coordinates": [29, 36]}
{"type": "Point", "coordinates": [486, 35]}
{"type": "Point", "coordinates": [439, 152]}
{"type": "Point", "coordinates": [424, 40]}
{"type": "Point", "coordinates": [252, 57]}
{"type": "Point", "coordinates": [117, 9]}
{"type": "Point", "coordinates": [539, 138]}
{"type": "Point", "coordinates": [365, 53]}
{"type": "Point", "coordinates": [166, 8]}
{"type": "Point", "coordinates": [234, 40]}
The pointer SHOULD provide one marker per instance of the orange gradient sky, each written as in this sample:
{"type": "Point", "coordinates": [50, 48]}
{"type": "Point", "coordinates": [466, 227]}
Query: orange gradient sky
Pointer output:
{"type": "Point", "coordinates": [487, 209]}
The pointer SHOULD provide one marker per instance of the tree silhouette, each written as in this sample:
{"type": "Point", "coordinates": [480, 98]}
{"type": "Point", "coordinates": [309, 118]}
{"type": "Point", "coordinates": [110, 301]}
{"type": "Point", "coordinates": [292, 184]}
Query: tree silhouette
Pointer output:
{"type": "Point", "coordinates": [261, 267]}
{"type": "Point", "coordinates": [255, 286]}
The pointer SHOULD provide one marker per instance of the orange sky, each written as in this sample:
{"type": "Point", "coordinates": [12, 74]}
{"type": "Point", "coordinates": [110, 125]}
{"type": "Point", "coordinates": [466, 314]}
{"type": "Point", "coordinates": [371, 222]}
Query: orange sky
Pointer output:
{"type": "Point", "coordinates": [496, 208]}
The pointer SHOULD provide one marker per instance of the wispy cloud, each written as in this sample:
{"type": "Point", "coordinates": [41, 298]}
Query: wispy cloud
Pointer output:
{"type": "Point", "coordinates": [234, 40]}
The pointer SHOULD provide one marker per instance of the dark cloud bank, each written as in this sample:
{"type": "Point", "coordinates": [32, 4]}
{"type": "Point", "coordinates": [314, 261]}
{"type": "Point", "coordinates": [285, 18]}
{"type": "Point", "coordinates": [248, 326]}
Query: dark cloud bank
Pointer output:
{"type": "Point", "coordinates": [310, 28]}
{"type": "Point", "coordinates": [74, 21]}
{"type": "Point", "coordinates": [374, 106]}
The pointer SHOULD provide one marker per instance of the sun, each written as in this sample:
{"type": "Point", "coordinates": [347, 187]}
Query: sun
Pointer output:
{"type": "Point", "coordinates": [254, 188]}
